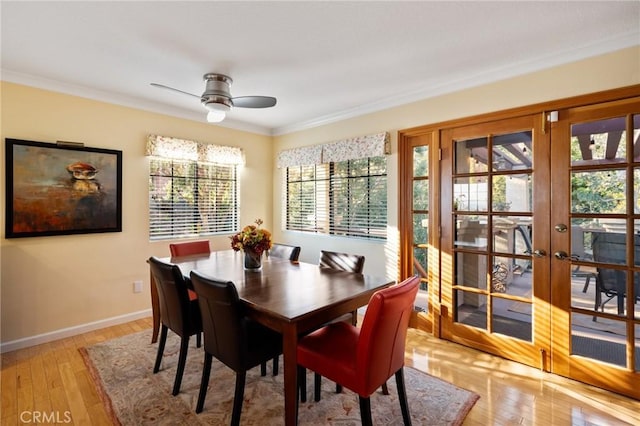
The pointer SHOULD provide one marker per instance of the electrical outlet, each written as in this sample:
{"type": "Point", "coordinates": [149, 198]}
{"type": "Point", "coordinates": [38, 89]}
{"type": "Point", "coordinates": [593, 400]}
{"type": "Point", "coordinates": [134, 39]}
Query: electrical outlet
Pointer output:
{"type": "Point", "coordinates": [137, 286]}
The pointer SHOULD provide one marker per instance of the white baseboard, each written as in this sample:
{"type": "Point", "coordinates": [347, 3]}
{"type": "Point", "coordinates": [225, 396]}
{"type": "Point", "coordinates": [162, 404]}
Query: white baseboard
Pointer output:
{"type": "Point", "coordinates": [71, 331]}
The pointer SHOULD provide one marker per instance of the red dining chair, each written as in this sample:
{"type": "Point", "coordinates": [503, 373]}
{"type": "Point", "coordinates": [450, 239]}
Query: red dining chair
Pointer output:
{"type": "Point", "coordinates": [189, 248]}
{"type": "Point", "coordinates": [341, 262]}
{"type": "Point", "coordinates": [362, 359]}
{"type": "Point", "coordinates": [177, 312]}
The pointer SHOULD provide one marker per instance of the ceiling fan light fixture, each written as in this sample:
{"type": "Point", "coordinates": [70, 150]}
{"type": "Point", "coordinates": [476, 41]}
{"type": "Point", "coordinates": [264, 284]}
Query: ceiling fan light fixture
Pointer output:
{"type": "Point", "coordinates": [215, 116]}
{"type": "Point", "coordinates": [217, 97]}
{"type": "Point", "coordinates": [217, 106]}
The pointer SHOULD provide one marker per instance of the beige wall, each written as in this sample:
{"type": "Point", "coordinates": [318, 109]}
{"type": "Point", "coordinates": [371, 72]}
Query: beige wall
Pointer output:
{"type": "Point", "coordinates": [614, 70]}
{"type": "Point", "coordinates": [54, 283]}
{"type": "Point", "coordinates": [51, 284]}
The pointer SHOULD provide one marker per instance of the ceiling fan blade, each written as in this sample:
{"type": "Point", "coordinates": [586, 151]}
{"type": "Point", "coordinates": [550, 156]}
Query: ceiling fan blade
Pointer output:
{"type": "Point", "coordinates": [162, 86]}
{"type": "Point", "coordinates": [253, 101]}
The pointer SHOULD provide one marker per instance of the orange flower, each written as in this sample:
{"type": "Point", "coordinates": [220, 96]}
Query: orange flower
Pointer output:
{"type": "Point", "coordinates": [252, 237]}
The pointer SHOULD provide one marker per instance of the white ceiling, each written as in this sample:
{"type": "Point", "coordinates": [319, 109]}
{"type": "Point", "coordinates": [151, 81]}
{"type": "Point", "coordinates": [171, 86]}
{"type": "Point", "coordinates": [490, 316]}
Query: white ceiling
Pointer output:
{"type": "Point", "coordinates": [323, 61]}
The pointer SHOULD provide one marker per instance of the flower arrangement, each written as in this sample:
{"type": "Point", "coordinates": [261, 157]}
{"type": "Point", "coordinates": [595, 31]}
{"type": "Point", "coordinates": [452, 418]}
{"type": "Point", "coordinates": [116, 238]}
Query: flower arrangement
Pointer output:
{"type": "Point", "coordinates": [252, 238]}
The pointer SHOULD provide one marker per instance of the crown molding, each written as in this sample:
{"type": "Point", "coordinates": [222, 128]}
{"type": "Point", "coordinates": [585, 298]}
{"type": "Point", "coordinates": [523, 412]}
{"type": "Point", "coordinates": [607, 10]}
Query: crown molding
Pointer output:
{"type": "Point", "coordinates": [441, 87]}
{"type": "Point", "coordinates": [610, 45]}
{"type": "Point", "coordinates": [123, 100]}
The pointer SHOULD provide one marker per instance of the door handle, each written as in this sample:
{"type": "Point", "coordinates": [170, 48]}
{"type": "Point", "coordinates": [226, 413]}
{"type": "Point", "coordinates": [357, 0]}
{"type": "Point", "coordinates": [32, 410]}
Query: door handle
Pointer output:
{"type": "Point", "coordinates": [561, 255]}
{"type": "Point", "coordinates": [539, 253]}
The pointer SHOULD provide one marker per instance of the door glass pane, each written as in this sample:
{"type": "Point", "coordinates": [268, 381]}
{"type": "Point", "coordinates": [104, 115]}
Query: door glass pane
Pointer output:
{"type": "Point", "coordinates": [512, 193]}
{"type": "Point", "coordinates": [604, 339]}
{"type": "Point", "coordinates": [598, 142]}
{"type": "Point", "coordinates": [509, 277]}
{"type": "Point", "coordinates": [420, 207]}
{"type": "Point", "coordinates": [636, 192]}
{"type": "Point", "coordinates": [471, 232]}
{"type": "Point", "coordinates": [420, 244]}
{"type": "Point", "coordinates": [420, 264]}
{"type": "Point", "coordinates": [421, 194]}
{"type": "Point", "coordinates": [611, 283]}
{"type": "Point", "coordinates": [581, 229]}
{"type": "Point", "coordinates": [471, 270]}
{"type": "Point", "coordinates": [421, 161]}
{"type": "Point", "coordinates": [512, 234]}
{"type": "Point", "coordinates": [512, 318]}
{"type": "Point", "coordinates": [512, 151]}
{"type": "Point", "coordinates": [470, 193]}
{"type": "Point", "coordinates": [637, 346]}
{"type": "Point", "coordinates": [420, 268]}
{"type": "Point", "coordinates": [636, 252]}
{"type": "Point", "coordinates": [471, 309]}
{"type": "Point", "coordinates": [636, 138]}
{"type": "Point", "coordinates": [598, 191]}
{"type": "Point", "coordinates": [636, 293]}
{"type": "Point", "coordinates": [471, 156]}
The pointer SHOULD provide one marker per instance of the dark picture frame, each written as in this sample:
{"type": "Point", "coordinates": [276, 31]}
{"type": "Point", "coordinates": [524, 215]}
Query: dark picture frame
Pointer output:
{"type": "Point", "coordinates": [61, 189]}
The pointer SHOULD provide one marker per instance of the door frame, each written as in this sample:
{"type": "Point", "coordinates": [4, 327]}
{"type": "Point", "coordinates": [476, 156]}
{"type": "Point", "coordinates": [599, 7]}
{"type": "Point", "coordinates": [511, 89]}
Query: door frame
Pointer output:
{"type": "Point", "coordinates": [430, 321]}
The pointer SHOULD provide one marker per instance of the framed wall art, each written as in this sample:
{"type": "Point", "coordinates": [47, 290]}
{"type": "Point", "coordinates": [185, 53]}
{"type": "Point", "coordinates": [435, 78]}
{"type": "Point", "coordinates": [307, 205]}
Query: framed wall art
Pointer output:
{"type": "Point", "coordinates": [61, 189]}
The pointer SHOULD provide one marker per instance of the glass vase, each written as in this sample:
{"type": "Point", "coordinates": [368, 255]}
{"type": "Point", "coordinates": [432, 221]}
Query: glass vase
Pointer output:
{"type": "Point", "coordinates": [252, 260]}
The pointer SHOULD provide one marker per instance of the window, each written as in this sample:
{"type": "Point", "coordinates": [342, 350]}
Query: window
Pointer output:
{"type": "Point", "coordinates": [193, 188]}
{"type": "Point", "coordinates": [189, 198]}
{"type": "Point", "coordinates": [347, 198]}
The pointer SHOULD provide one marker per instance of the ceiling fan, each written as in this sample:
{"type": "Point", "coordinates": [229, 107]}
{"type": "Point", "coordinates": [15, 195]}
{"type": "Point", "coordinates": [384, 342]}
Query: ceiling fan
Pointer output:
{"type": "Point", "coordinates": [217, 97]}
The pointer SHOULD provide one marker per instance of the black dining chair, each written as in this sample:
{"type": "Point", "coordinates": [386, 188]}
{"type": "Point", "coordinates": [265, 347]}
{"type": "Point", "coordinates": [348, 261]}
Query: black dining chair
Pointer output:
{"type": "Point", "coordinates": [235, 340]}
{"type": "Point", "coordinates": [285, 251]}
{"type": "Point", "coordinates": [343, 262]}
{"type": "Point", "coordinates": [178, 312]}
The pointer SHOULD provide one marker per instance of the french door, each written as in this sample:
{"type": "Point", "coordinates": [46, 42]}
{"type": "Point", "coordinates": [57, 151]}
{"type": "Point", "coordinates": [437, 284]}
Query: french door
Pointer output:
{"type": "Point", "coordinates": [526, 233]}
{"type": "Point", "coordinates": [494, 242]}
{"type": "Point", "coordinates": [595, 242]}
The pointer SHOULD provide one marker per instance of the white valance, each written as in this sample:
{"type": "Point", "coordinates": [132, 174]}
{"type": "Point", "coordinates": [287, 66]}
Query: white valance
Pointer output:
{"type": "Point", "coordinates": [302, 156]}
{"type": "Point", "coordinates": [375, 145]}
{"type": "Point", "coordinates": [181, 149]}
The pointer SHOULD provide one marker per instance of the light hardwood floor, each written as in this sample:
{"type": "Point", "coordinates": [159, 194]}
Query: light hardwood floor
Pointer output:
{"type": "Point", "coordinates": [51, 381]}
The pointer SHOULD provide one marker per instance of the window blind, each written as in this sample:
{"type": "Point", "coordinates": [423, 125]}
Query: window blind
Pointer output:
{"type": "Point", "coordinates": [193, 188]}
{"type": "Point", "coordinates": [347, 198]}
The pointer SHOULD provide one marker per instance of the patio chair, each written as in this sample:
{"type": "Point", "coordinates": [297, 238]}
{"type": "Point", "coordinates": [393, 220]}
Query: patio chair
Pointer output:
{"type": "Point", "coordinates": [610, 247]}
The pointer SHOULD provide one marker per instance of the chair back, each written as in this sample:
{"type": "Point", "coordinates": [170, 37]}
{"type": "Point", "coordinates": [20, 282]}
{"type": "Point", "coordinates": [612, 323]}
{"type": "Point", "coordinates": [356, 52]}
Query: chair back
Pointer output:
{"type": "Point", "coordinates": [223, 320]}
{"type": "Point", "coordinates": [189, 248]}
{"type": "Point", "coordinates": [176, 310]}
{"type": "Point", "coordinates": [285, 251]}
{"type": "Point", "coordinates": [342, 261]}
{"type": "Point", "coordinates": [380, 350]}
{"type": "Point", "coordinates": [611, 247]}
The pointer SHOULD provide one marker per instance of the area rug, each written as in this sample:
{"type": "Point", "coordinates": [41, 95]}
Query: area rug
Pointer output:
{"type": "Point", "coordinates": [122, 371]}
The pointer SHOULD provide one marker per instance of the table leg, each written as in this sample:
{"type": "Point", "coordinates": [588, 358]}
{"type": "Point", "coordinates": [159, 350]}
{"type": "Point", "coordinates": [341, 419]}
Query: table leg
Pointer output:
{"type": "Point", "coordinates": [289, 352]}
{"type": "Point", "coordinates": [155, 309]}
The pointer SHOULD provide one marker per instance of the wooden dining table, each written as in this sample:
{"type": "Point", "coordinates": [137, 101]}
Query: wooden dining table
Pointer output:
{"type": "Point", "coordinates": [289, 297]}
